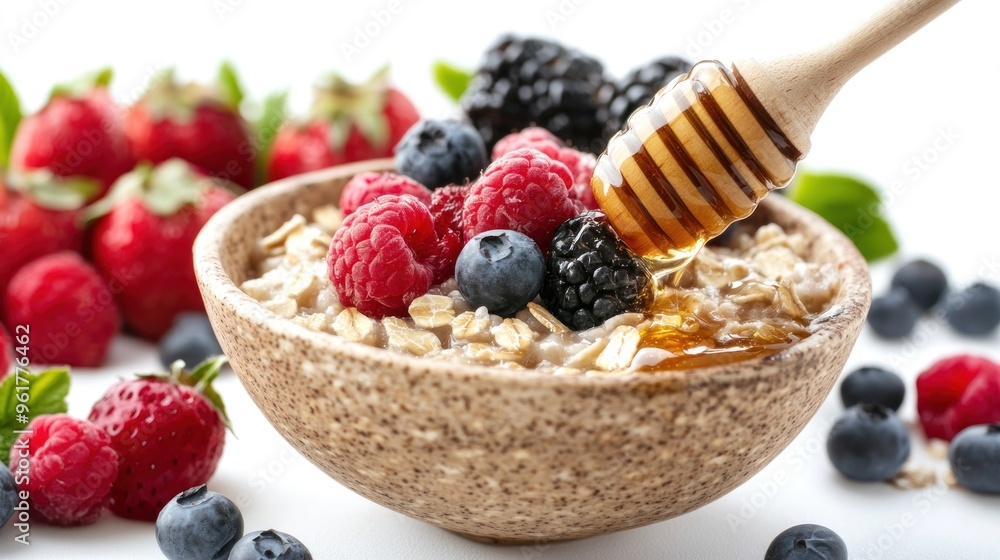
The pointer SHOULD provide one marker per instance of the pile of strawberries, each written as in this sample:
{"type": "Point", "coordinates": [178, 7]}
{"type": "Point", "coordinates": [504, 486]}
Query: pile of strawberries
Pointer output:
{"type": "Point", "coordinates": [100, 204]}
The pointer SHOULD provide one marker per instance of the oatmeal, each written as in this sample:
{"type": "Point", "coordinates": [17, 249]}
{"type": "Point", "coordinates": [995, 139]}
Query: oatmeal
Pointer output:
{"type": "Point", "coordinates": [730, 303]}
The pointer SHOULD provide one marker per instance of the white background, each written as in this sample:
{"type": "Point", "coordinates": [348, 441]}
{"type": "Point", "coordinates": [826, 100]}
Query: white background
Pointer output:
{"type": "Point", "coordinates": [922, 120]}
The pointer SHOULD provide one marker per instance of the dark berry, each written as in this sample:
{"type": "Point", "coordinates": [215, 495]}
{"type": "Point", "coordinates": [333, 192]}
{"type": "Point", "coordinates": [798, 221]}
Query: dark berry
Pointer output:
{"type": "Point", "coordinates": [8, 495]}
{"type": "Point", "coordinates": [894, 314]}
{"type": "Point", "coordinates": [975, 458]}
{"type": "Point", "coordinates": [439, 152]}
{"type": "Point", "coordinates": [868, 443]}
{"type": "Point", "coordinates": [198, 523]}
{"type": "Point", "coordinates": [270, 544]}
{"type": "Point", "coordinates": [872, 385]}
{"type": "Point", "coordinates": [190, 339]}
{"type": "Point", "coordinates": [500, 269]}
{"type": "Point", "coordinates": [620, 99]}
{"type": "Point", "coordinates": [807, 542]}
{"type": "Point", "coordinates": [925, 282]}
{"type": "Point", "coordinates": [975, 310]}
{"type": "Point", "coordinates": [526, 82]}
{"type": "Point", "coordinates": [590, 276]}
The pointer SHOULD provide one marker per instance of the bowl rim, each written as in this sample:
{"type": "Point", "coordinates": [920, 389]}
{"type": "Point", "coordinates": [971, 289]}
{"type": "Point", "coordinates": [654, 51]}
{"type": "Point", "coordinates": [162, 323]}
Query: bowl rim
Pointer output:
{"type": "Point", "coordinates": [212, 276]}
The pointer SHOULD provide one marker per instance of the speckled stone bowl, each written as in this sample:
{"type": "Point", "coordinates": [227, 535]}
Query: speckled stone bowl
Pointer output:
{"type": "Point", "coordinates": [516, 456]}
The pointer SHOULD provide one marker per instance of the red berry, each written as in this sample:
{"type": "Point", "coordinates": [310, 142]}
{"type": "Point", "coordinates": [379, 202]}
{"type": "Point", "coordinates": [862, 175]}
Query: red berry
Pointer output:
{"type": "Point", "coordinates": [147, 255]}
{"type": "Point", "coordinates": [446, 208]}
{"type": "Point", "coordinates": [386, 254]}
{"type": "Point", "coordinates": [75, 135]}
{"type": "Point", "coordinates": [6, 352]}
{"type": "Point", "coordinates": [71, 467]}
{"type": "Point", "coordinates": [191, 123]}
{"type": "Point", "coordinates": [956, 393]}
{"type": "Point", "coordinates": [525, 191]}
{"type": "Point", "coordinates": [581, 165]}
{"type": "Point", "coordinates": [69, 308]}
{"type": "Point", "coordinates": [169, 437]}
{"type": "Point", "coordinates": [29, 231]}
{"type": "Point", "coordinates": [348, 123]}
{"type": "Point", "coordinates": [366, 187]}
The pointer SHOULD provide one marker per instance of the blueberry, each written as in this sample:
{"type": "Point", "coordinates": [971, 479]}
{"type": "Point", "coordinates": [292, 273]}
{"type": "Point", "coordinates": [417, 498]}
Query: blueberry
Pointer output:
{"type": "Point", "coordinates": [265, 545]}
{"type": "Point", "coordinates": [894, 314]}
{"type": "Point", "coordinates": [975, 310]}
{"type": "Point", "coordinates": [872, 385]}
{"type": "Point", "coordinates": [8, 495]}
{"type": "Point", "coordinates": [437, 152]}
{"type": "Point", "coordinates": [200, 524]}
{"type": "Point", "coordinates": [975, 458]}
{"type": "Point", "coordinates": [807, 542]}
{"type": "Point", "coordinates": [500, 269]}
{"type": "Point", "coordinates": [190, 339]}
{"type": "Point", "coordinates": [923, 280]}
{"type": "Point", "coordinates": [868, 443]}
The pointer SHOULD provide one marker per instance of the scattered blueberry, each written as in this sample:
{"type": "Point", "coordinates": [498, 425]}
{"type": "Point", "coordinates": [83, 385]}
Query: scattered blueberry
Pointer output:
{"type": "Point", "coordinates": [975, 458]}
{"type": "Point", "coordinates": [8, 495]}
{"type": "Point", "coordinates": [872, 385]}
{"type": "Point", "coordinates": [807, 542]}
{"type": "Point", "coordinates": [868, 443]}
{"type": "Point", "coordinates": [894, 314]}
{"type": "Point", "coordinates": [975, 310]}
{"type": "Point", "coordinates": [191, 339]}
{"type": "Point", "coordinates": [501, 269]}
{"type": "Point", "coordinates": [437, 152]}
{"type": "Point", "coordinates": [265, 545]}
{"type": "Point", "coordinates": [923, 280]}
{"type": "Point", "coordinates": [199, 524]}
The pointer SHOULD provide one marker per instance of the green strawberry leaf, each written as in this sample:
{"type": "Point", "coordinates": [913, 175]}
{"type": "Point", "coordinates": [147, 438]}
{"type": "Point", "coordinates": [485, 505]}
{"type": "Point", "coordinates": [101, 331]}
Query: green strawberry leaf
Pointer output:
{"type": "Point", "coordinates": [10, 116]}
{"type": "Point", "coordinates": [452, 81]}
{"type": "Point", "coordinates": [84, 84]}
{"type": "Point", "coordinates": [272, 115]}
{"type": "Point", "coordinates": [46, 394]}
{"type": "Point", "coordinates": [229, 85]}
{"type": "Point", "coordinates": [53, 191]}
{"type": "Point", "coordinates": [201, 378]}
{"type": "Point", "coordinates": [163, 189]}
{"type": "Point", "coordinates": [852, 206]}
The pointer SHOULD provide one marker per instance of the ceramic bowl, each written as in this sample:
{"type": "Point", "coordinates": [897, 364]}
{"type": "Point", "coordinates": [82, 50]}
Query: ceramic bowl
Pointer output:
{"type": "Point", "coordinates": [516, 456]}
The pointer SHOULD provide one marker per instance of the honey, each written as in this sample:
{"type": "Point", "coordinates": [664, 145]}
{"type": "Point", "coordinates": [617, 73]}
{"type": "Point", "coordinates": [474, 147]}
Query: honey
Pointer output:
{"type": "Point", "coordinates": [699, 156]}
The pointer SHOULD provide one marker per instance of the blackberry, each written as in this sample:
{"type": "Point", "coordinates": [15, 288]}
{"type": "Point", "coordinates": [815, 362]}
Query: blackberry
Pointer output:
{"type": "Point", "coordinates": [526, 81]}
{"type": "Point", "coordinates": [590, 276]}
{"type": "Point", "coordinates": [620, 99]}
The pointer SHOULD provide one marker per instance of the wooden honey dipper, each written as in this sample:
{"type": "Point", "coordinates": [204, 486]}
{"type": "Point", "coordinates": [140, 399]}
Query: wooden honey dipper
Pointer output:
{"type": "Point", "coordinates": [713, 143]}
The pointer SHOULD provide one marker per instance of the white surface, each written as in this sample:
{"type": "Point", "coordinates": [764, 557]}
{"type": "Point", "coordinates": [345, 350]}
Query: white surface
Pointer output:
{"type": "Point", "coordinates": [943, 81]}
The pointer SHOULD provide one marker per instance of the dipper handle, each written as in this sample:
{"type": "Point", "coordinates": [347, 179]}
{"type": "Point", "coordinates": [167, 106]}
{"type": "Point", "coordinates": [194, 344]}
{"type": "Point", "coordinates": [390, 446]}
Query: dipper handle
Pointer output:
{"type": "Point", "coordinates": [796, 89]}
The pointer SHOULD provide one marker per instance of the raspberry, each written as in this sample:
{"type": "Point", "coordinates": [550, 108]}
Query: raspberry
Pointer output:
{"type": "Point", "coordinates": [71, 311]}
{"type": "Point", "coordinates": [446, 208]}
{"type": "Point", "coordinates": [525, 191]}
{"type": "Point", "coordinates": [386, 254]}
{"type": "Point", "coordinates": [366, 187]}
{"type": "Point", "coordinates": [956, 393]}
{"type": "Point", "coordinates": [72, 468]}
{"type": "Point", "coordinates": [580, 165]}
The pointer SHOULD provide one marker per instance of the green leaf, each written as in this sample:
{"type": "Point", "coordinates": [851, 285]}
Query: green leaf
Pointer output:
{"type": "Point", "coordinates": [82, 85]}
{"type": "Point", "coordinates": [229, 85]}
{"type": "Point", "coordinates": [453, 81]}
{"type": "Point", "coordinates": [201, 378]}
{"type": "Point", "coordinates": [272, 116]}
{"type": "Point", "coordinates": [53, 191]}
{"type": "Point", "coordinates": [852, 206]}
{"type": "Point", "coordinates": [46, 392]}
{"type": "Point", "coordinates": [10, 116]}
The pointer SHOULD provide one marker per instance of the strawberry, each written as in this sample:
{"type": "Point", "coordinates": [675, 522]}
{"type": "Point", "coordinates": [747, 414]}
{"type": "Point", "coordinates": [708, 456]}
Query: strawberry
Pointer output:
{"type": "Point", "coordinates": [956, 393]}
{"type": "Point", "coordinates": [6, 352]}
{"type": "Point", "coordinates": [31, 228]}
{"type": "Point", "coordinates": [168, 430]}
{"type": "Point", "coordinates": [348, 123]}
{"type": "Point", "coordinates": [195, 123]}
{"type": "Point", "coordinates": [143, 240]}
{"type": "Point", "coordinates": [78, 133]}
